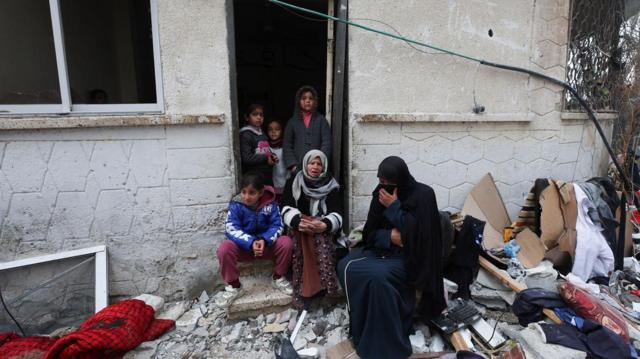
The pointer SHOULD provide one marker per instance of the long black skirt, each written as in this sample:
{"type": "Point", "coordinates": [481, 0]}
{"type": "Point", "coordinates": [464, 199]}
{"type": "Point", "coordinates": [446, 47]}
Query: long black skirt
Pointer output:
{"type": "Point", "coordinates": [380, 304]}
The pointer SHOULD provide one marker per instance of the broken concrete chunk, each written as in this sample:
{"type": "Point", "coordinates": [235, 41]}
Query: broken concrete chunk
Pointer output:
{"type": "Point", "coordinates": [175, 312]}
{"type": "Point", "coordinates": [437, 343]}
{"type": "Point", "coordinates": [309, 353]}
{"type": "Point", "coordinates": [299, 343]}
{"type": "Point", "coordinates": [204, 297]}
{"type": "Point", "coordinates": [203, 309]}
{"type": "Point", "coordinates": [270, 318]}
{"type": "Point", "coordinates": [188, 321]}
{"type": "Point", "coordinates": [320, 327]}
{"type": "Point", "coordinates": [451, 287]}
{"type": "Point", "coordinates": [237, 331]}
{"type": "Point", "coordinates": [274, 328]}
{"type": "Point", "coordinates": [284, 316]}
{"type": "Point", "coordinates": [418, 343]}
{"type": "Point", "coordinates": [310, 336]}
{"type": "Point", "coordinates": [201, 332]}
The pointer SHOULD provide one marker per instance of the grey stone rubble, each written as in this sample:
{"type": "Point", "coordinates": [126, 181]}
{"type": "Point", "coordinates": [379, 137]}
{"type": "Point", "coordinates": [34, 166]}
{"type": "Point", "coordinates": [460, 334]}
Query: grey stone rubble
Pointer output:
{"type": "Point", "coordinates": [203, 331]}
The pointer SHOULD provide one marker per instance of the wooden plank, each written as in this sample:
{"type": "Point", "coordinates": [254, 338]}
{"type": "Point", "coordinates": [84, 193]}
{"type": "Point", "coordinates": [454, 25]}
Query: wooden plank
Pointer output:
{"type": "Point", "coordinates": [458, 342]}
{"type": "Point", "coordinates": [514, 285]}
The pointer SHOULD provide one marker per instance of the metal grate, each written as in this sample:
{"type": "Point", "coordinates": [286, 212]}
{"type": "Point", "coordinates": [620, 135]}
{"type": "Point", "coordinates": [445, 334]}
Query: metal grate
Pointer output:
{"type": "Point", "coordinates": [594, 65]}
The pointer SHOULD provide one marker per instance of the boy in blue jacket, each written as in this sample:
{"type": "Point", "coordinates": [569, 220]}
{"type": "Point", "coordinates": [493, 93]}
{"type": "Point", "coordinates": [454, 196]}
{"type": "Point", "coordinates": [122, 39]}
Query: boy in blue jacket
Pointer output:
{"type": "Point", "coordinates": [253, 229]}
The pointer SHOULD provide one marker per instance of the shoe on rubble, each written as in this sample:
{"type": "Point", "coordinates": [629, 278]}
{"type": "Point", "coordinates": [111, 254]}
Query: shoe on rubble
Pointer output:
{"type": "Point", "coordinates": [227, 296]}
{"type": "Point", "coordinates": [283, 285]}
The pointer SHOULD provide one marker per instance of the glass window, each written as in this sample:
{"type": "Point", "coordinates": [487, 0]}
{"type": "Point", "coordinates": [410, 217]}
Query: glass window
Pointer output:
{"type": "Point", "coordinates": [109, 51]}
{"type": "Point", "coordinates": [28, 73]}
{"type": "Point", "coordinates": [66, 56]}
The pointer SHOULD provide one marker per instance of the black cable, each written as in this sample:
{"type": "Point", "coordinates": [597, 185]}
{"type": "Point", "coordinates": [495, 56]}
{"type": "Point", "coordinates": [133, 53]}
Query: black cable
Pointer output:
{"type": "Point", "coordinates": [494, 328]}
{"type": "Point", "coordinates": [11, 315]}
{"type": "Point", "coordinates": [583, 104]}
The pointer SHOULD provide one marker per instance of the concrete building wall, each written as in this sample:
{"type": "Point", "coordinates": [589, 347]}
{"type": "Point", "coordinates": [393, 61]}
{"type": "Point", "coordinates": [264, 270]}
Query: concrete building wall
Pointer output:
{"type": "Point", "coordinates": [419, 106]}
{"type": "Point", "coordinates": [155, 195]}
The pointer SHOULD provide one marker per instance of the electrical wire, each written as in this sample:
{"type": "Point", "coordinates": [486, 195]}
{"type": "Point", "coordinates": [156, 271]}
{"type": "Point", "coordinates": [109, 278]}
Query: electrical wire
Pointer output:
{"type": "Point", "coordinates": [494, 327]}
{"type": "Point", "coordinates": [563, 84]}
{"type": "Point", "coordinates": [11, 315]}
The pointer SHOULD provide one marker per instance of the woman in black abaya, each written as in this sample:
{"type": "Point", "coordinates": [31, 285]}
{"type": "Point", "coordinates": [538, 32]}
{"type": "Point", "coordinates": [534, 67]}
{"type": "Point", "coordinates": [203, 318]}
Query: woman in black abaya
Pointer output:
{"type": "Point", "coordinates": [402, 253]}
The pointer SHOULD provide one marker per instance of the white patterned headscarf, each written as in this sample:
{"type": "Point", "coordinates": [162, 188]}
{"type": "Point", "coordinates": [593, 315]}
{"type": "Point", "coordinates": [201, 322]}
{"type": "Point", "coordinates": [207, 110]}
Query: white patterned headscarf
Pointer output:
{"type": "Point", "coordinates": [315, 188]}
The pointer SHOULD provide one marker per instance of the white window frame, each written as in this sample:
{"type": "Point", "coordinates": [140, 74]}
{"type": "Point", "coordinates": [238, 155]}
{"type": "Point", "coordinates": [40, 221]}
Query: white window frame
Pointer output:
{"type": "Point", "coordinates": [66, 107]}
{"type": "Point", "coordinates": [101, 270]}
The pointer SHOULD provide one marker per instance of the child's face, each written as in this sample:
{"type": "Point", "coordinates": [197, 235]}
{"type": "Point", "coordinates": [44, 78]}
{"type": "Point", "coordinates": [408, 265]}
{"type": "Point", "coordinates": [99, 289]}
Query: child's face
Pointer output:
{"type": "Point", "coordinates": [307, 101]}
{"type": "Point", "coordinates": [274, 131]}
{"type": "Point", "coordinates": [250, 195]}
{"type": "Point", "coordinates": [256, 118]}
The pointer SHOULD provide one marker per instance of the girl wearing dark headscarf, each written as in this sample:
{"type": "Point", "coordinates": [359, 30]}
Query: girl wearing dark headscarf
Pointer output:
{"type": "Point", "coordinates": [306, 130]}
{"type": "Point", "coordinates": [402, 253]}
{"type": "Point", "coordinates": [311, 207]}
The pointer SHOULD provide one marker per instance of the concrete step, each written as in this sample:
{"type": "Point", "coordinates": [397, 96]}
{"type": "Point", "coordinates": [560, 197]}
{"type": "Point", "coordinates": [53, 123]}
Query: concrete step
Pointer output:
{"type": "Point", "coordinates": [257, 267]}
{"type": "Point", "coordinates": [260, 297]}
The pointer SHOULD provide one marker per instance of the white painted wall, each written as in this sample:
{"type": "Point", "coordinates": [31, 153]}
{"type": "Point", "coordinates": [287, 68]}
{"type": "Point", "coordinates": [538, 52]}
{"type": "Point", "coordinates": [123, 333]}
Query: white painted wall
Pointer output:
{"type": "Point", "coordinates": [421, 104]}
{"type": "Point", "coordinates": [156, 196]}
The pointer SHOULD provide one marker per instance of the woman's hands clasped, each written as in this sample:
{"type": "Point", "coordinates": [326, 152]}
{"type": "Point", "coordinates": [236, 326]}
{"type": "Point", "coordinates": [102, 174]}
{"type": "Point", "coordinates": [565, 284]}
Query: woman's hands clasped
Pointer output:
{"type": "Point", "coordinates": [312, 226]}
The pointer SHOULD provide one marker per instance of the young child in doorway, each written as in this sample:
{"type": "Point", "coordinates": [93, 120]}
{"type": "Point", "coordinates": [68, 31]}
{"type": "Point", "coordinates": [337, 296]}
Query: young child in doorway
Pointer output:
{"type": "Point", "coordinates": [253, 229]}
{"type": "Point", "coordinates": [306, 130]}
{"type": "Point", "coordinates": [255, 153]}
{"type": "Point", "coordinates": [280, 173]}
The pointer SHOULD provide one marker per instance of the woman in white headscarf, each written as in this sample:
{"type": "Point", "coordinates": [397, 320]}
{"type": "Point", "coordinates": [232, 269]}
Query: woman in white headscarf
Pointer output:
{"type": "Point", "coordinates": [311, 209]}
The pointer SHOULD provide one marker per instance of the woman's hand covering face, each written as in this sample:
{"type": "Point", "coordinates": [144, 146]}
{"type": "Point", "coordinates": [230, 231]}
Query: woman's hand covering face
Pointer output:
{"type": "Point", "coordinates": [387, 198]}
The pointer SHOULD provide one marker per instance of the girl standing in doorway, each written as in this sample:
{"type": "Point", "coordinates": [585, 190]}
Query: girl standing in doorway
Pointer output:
{"type": "Point", "coordinates": [280, 173]}
{"type": "Point", "coordinates": [306, 130]}
{"type": "Point", "coordinates": [255, 152]}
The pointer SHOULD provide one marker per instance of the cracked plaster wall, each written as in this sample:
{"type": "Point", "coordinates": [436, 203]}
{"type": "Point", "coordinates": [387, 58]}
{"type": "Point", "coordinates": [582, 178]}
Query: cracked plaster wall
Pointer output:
{"type": "Point", "coordinates": [156, 195]}
{"type": "Point", "coordinates": [418, 105]}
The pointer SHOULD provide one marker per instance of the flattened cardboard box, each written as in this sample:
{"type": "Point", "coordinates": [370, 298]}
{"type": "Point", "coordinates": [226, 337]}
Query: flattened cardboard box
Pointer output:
{"type": "Point", "coordinates": [485, 203]}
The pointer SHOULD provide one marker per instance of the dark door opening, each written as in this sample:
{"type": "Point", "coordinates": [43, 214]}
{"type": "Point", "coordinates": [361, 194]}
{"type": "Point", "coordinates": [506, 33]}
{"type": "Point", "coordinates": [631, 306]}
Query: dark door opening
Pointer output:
{"type": "Point", "coordinates": [278, 51]}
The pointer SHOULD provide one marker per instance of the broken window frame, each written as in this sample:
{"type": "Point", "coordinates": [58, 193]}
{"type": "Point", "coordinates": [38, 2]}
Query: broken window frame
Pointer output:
{"type": "Point", "coordinates": [101, 272]}
{"type": "Point", "coordinates": [66, 107]}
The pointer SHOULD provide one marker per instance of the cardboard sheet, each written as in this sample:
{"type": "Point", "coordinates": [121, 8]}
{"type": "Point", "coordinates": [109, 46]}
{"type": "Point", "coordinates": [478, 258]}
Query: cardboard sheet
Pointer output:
{"type": "Point", "coordinates": [531, 248]}
{"type": "Point", "coordinates": [551, 221]}
{"type": "Point", "coordinates": [485, 203]}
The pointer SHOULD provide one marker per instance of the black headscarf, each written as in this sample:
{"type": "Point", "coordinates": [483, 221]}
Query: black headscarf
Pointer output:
{"type": "Point", "coordinates": [421, 235]}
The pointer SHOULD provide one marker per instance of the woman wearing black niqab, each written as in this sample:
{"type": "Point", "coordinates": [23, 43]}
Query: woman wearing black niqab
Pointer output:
{"type": "Point", "coordinates": [402, 253]}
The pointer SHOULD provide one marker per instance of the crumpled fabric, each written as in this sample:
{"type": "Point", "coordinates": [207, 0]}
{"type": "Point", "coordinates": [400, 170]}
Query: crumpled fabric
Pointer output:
{"type": "Point", "coordinates": [593, 255]}
{"type": "Point", "coordinates": [594, 309]}
{"type": "Point", "coordinates": [529, 303]}
{"type": "Point", "coordinates": [601, 214]}
{"type": "Point", "coordinates": [110, 333]}
{"type": "Point", "coordinates": [593, 338]}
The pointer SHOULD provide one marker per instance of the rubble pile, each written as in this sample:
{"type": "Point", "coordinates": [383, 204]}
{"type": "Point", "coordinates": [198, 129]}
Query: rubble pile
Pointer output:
{"type": "Point", "coordinates": [203, 331]}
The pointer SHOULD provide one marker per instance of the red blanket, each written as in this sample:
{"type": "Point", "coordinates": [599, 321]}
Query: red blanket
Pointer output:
{"type": "Point", "coordinates": [110, 333]}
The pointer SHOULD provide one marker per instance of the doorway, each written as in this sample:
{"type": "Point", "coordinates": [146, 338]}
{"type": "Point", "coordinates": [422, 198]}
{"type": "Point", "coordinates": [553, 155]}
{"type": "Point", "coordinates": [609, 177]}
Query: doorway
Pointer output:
{"type": "Point", "coordinates": [276, 52]}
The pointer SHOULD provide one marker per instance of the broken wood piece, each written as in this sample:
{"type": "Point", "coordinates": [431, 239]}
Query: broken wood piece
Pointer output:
{"type": "Point", "coordinates": [514, 285]}
{"type": "Point", "coordinates": [457, 340]}
{"type": "Point", "coordinates": [531, 248]}
{"type": "Point", "coordinates": [342, 350]}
